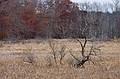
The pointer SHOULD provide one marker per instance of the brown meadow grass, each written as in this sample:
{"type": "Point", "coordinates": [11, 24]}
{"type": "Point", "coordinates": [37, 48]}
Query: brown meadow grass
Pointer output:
{"type": "Point", "coordinates": [13, 66]}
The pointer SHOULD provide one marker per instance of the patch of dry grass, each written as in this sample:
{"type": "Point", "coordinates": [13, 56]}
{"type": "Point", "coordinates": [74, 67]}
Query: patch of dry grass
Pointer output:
{"type": "Point", "coordinates": [12, 65]}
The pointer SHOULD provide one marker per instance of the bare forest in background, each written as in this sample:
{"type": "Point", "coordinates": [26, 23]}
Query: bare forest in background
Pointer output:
{"type": "Point", "coordinates": [29, 19]}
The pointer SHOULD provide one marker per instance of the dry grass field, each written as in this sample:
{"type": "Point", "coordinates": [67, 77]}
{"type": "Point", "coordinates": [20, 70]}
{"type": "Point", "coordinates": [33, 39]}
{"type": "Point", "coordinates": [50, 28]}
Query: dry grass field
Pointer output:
{"type": "Point", "coordinates": [15, 57]}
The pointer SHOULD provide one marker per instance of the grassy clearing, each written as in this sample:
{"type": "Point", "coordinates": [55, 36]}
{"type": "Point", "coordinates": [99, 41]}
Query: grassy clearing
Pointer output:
{"type": "Point", "coordinates": [13, 66]}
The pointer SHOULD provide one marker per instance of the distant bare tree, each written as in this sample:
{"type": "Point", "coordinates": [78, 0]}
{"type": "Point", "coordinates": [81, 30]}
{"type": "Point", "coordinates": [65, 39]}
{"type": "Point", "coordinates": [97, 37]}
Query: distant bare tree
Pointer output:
{"type": "Point", "coordinates": [85, 6]}
{"type": "Point", "coordinates": [116, 4]}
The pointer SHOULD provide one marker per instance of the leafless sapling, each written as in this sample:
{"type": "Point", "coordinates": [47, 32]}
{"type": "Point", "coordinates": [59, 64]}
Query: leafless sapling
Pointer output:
{"type": "Point", "coordinates": [62, 53]}
{"type": "Point", "coordinates": [52, 46]}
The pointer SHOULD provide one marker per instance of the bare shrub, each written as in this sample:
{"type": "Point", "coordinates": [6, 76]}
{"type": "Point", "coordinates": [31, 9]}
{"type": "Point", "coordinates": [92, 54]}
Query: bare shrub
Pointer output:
{"type": "Point", "coordinates": [62, 53]}
{"type": "Point", "coordinates": [29, 56]}
{"type": "Point", "coordinates": [53, 47]}
{"type": "Point", "coordinates": [58, 53]}
{"type": "Point", "coordinates": [48, 59]}
{"type": "Point", "coordinates": [1, 44]}
{"type": "Point", "coordinates": [85, 56]}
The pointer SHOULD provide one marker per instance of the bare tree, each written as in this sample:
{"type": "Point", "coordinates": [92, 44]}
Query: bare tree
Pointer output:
{"type": "Point", "coordinates": [85, 6]}
{"type": "Point", "coordinates": [116, 4]}
{"type": "Point", "coordinates": [86, 57]}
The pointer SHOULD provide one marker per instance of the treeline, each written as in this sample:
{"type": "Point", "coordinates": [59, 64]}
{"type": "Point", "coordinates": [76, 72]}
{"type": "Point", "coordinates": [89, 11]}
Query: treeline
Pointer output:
{"type": "Point", "coordinates": [25, 19]}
